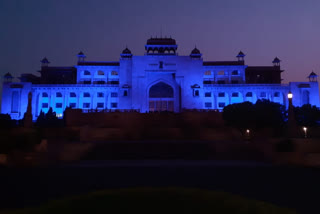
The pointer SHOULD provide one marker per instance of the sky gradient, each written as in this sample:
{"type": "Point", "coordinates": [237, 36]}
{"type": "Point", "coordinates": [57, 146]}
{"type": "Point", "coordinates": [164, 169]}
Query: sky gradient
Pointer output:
{"type": "Point", "coordinates": [59, 29]}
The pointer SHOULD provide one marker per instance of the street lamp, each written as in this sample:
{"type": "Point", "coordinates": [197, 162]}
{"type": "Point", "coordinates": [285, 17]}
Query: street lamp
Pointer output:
{"type": "Point", "coordinates": [305, 132]}
{"type": "Point", "coordinates": [290, 95]}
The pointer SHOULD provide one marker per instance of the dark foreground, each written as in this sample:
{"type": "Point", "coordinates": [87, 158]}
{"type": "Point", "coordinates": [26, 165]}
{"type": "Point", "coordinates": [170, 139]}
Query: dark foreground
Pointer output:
{"type": "Point", "coordinates": [297, 188]}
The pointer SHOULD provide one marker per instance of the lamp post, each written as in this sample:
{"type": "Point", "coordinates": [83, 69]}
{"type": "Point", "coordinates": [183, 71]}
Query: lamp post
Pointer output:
{"type": "Point", "coordinates": [305, 132]}
{"type": "Point", "coordinates": [291, 120]}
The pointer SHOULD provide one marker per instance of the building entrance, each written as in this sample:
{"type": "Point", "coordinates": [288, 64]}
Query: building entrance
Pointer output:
{"type": "Point", "coordinates": [161, 97]}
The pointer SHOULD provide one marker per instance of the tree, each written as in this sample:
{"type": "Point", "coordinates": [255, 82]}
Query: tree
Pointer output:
{"type": "Point", "coordinates": [240, 115]}
{"type": "Point", "coordinates": [263, 114]}
{"type": "Point", "coordinates": [307, 115]}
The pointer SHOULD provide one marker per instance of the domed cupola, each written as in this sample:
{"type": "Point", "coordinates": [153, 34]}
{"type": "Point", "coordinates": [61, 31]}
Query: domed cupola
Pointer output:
{"type": "Point", "coordinates": [195, 53]}
{"type": "Point", "coordinates": [8, 77]}
{"type": "Point", "coordinates": [313, 77]}
{"type": "Point", "coordinates": [126, 53]}
{"type": "Point", "coordinates": [276, 61]}
{"type": "Point", "coordinates": [161, 46]}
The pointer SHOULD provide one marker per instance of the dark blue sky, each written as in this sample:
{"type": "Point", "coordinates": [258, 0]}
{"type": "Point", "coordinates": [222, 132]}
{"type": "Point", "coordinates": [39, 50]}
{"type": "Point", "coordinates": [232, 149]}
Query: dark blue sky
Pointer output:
{"type": "Point", "coordinates": [59, 29]}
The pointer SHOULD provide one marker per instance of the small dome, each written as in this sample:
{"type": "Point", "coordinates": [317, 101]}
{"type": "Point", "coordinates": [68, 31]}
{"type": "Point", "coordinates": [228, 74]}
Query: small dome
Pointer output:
{"type": "Point", "coordinates": [126, 51]}
{"type": "Point", "coordinates": [8, 75]}
{"type": "Point", "coordinates": [241, 54]}
{"type": "Point", "coordinates": [312, 74]}
{"type": "Point", "coordinates": [276, 60]}
{"type": "Point", "coordinates": [80, 53]}
{"type": "Point", "coordinates": [195, 51]}
{"type": "Point", "coordinates": [45, 60]}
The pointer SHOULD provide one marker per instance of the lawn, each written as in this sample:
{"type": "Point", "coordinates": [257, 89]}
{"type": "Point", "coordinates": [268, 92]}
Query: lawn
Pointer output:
{"type": "Point", "coordinates": [155, 200]}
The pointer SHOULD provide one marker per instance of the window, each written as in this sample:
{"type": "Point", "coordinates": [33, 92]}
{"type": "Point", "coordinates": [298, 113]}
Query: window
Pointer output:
{"type": "Point", "coordinates": [196, 93]}
{"type": "Point", "coordinates": [86, 94]}
{"type": "Point", "coordinates": [234, 81]}
{"type": "Point", "coordinates": [235, 94]}
{"type": "Point", "coordinates": [249, 94]}
{"type": "Point", "coordinates": [221, 82]}
{"type": "Point", "coordinates": [58, 94]}
{"type": "Point", "coordinates": [100, 73]}
{"type": "Point", "coordinates": [72, 94]}
{"type": "Point", "coordinates": [208, 81]}
{"type": "Point", "coordinates": [87, 82]}
{"type": "Point", "coordinates": [220, 73]}
{"type": "Point", "coordinates": [208, 105]}
{"type": "Point", "coordinates": [44, 94]}
{"type": "Point", "coordinates": [114, 82]}
{"type": "Point", "coordinates": [45, 105]}
{"type": "Point", "coordinates": [221, 105]}
{"type": "Point", "coordinates": [221, 94]}
{"type": "Point", "coordinates": [114, 105]}
{"type": "Point", "coordinates": [114, 73]}
{"type": "Point", "coordinates": [58, 105]}
{"type": "Point", "coordinates": [86, 72]}
{"type": "Point", "coordinates": [72, 105]}
{"type": "Point", "coordinates": [114, 94]}
{"type": "Point", "coordinates": [235, 72]}
{"type": "Point", "coordinates": [100, 105]}
{"type": "Point", "coordinates": [100, 94]}
{"type": "Point", "coordinates": [207, 73]}
{"type": "Point", "coordinates": [125, 93]}
{"type": "Point", "coordinates": [276, 94]}
{"type": "Point", "coordinates": [207, 94]}
{"type": "Point", "coordinates": [263, 94]}
{"type": "Point", "coordinates": [101, 82]}
{"type": "Point", "coordinates": [86, 105]}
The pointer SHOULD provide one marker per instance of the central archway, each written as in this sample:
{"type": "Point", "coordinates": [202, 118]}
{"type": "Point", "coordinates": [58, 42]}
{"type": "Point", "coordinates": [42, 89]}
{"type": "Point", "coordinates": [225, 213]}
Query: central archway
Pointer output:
{"type": "Point", "coordinates": [161, 97]}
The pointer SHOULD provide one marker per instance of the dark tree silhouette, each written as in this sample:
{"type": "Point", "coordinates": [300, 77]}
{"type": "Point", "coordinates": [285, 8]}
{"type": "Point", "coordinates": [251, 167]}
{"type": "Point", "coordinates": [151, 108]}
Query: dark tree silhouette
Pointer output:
{"type": "Point", "coordinates": [307, 115]}
{"type": "Point", "coordinates": [263, 114]}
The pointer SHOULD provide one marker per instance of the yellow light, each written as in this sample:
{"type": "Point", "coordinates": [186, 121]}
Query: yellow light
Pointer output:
{"type": "Point", "coordinates": [290, 95]}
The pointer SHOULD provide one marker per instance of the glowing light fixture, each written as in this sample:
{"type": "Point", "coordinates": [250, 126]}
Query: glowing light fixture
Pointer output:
{"type": "Point", "coordinates": [290, 95]}
{"type": "Point", "coordinates": [305, 131]}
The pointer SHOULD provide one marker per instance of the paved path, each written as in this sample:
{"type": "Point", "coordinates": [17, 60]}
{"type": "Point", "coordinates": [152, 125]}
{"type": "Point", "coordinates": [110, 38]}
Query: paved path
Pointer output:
{"type": "Point", "coordinates": [286, 186]}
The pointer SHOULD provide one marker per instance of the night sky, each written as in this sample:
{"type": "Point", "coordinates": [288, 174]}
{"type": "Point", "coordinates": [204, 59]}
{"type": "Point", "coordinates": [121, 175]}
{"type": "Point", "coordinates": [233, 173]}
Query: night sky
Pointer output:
{"type": "Point", "coordinates": [59, 29]}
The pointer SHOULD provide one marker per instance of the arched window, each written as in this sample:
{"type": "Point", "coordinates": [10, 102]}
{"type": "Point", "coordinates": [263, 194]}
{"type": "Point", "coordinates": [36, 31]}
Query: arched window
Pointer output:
{"type": "Point", "coordinates": [207, 73]}
{"type": "Point", "coordinates": [235, 94]}
{"type": "Point", "coordinates": [220, 73]}
{"type": "Point", "coordinates": [100, 73]}
{"type": "Point", "coordinates": [235, 72]}
{"type": "Point", "coordinates": [44, 94]}
{"type": "Point", "coordinates": [221, 94]}
{"type": "Point", "coordinates": [276, 94]}
{"type": "Point", "coordinates": [72, 94]}
{"type": "Point", "coordinates": [114, 73]}
{"type": "Point", "coordinates": [86, 72]}
{"type": "Point", "coordinates": [249, 94]}
{"type": "Point", "coordinates": [161, 90]}
{"type": "Point", "coordinates": [58, 94]}
{"type": "Point", "coordinates": [86, 94]}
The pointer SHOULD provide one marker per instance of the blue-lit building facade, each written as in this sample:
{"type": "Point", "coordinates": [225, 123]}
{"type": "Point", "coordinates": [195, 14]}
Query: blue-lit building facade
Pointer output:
{"type": "Point", "coordinates": [160, 80]}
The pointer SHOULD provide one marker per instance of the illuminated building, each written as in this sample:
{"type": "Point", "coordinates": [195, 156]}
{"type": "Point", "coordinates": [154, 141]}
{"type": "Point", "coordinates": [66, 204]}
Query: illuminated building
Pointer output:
{"type": "Point", "coordinates": [160, 80]}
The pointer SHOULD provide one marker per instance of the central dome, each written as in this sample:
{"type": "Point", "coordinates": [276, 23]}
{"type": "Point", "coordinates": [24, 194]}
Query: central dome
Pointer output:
{"type": "Point", "coordinates": [161, 46]}
{"type": "Point", "coordinates": [161, 41]}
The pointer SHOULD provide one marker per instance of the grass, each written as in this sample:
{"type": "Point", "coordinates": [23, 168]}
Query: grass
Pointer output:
{"type": "Point", "coordinates": [153, 201]}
